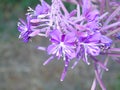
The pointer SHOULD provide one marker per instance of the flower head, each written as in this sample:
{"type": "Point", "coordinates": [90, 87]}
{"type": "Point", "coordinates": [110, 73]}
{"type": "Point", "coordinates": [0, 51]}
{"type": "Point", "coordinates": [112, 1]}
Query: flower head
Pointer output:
{"type": "Point", "coordinates": [24, 29]}
{"type": "Point", "coordinates": [62, 44]}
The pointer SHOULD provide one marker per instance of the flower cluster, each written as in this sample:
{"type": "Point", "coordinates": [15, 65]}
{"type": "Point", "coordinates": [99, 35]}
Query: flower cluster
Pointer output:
{"type": "Point", "coordinates": [88, 31]}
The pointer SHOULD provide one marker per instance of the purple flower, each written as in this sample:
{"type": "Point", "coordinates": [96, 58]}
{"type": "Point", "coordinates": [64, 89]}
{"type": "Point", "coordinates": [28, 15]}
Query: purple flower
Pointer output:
{"type": "Point", "coordinates": [92, 45]}
{"type": "Point", "coordinates": [25, 30]}
{"type": "Point", "coordinates": [62, 44]}
{"type": "Point", "coordinates": [89, 46]}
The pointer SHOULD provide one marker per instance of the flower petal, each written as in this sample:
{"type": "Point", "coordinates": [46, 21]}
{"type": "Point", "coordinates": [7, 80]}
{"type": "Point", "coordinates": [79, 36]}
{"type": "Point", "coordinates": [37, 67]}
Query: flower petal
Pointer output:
{"type": "Point", "coordinates": [69, 38]}
{"type": "Point", "coordinates": [34, 33]}
{"type": "Point", "coordinates": [93, 50]}
{"type": "Point", "coordinates": [52, 49]}
{"type": "Point", "coordinates": [55, 34]}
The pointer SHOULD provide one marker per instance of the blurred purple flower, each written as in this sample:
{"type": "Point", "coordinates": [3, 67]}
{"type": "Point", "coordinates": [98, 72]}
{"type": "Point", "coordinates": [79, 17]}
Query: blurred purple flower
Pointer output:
{"type": "Point", "coordinates": [25, 30]}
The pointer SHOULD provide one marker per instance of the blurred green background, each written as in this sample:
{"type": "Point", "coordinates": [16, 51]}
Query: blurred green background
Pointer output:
{"type": "Point", "coordinates": [21, 64]}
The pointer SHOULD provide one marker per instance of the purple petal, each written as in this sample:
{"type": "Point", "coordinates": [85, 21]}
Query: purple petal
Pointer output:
{"type": "Point", "coordinates": [41, 48]}
{"type": "Point", "coordinates": [105, 39]}
{"type": "Point", "coordinates": [28, 20]}
{"type": "Point", "coordinates": [70, 52]}
{"type": "Point", "coordinates": [72, 13]}
{"type": "Point", "coordinates": [38, 9]}
{"type": "Point", "coordinates": [93, 26]}
{"type": "Point", "coordinates": [115, 49]}
{"type": "Point", "coordinates": [56, 35]}
{"type": "Point", "coordinates": [22, 21]}
{"type": "Point", "coordinates": [96, 37]}
{"type": "Point", "coordinates": [52, 49]}
{"type": "Point", "coordinates": [41, 9]}
{"type": "Point", "coordinates": [34, 21]}
{"type": "Point", "coordinates": [93, 15]}
{"type": "Point", "coordinates": [55, 41]}
{"type": "Point", "coordinates": [75, 63]}
{"type": "Point", "coordinates": [84, 56]}
{"type": "Point", "coordinates": [86, 7]}
{"type": "Point", "coordinates": [63, 73]}
{"type": "Point", "coordinates": [93, 50]}
{"type": "Point", "coordinates": [70, 38]}
{"type": "Point", "coordinates": [34, 33]}
{"type": "Point", "coordinates": [65, 69]}
{"type": "Point", "coordinates": [44, 6]}
{"type": "Point", "coordinates": [20, 28]}
{"type": "Point", "coordinates": [48, 60]}
{"type": "Point", "coordinates": [99, 79]}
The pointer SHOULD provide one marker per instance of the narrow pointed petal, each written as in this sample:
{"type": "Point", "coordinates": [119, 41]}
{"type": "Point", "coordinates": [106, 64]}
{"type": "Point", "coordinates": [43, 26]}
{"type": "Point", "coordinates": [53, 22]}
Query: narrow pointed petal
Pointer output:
{"type": "Point", "coordinates": [48, 60]}
{"type": "Point", "coordinates": [34, 33]}
{"type": "Point", "coordinates": [65, 69]}
{"type": "Point", "coordinates": [41, 48]}
{"type": "Point", "coordinates": [99, 79]}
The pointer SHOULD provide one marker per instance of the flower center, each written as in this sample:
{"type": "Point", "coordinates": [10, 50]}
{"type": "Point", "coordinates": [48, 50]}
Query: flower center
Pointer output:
{"type": "Point", "coordinates": [62, 44]}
